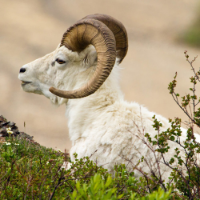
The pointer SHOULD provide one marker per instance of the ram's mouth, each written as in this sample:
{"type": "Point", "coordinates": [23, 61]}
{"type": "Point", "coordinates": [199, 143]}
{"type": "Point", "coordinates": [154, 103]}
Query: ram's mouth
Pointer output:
{"type": "Point", "coordinates": [24, 82]}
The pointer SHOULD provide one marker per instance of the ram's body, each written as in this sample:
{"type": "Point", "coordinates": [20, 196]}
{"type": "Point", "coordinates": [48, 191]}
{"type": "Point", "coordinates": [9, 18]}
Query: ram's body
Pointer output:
{"type": "Point", "coordinates": [100, 124]}
{"type": "Point", "coordinates": [112, 130]}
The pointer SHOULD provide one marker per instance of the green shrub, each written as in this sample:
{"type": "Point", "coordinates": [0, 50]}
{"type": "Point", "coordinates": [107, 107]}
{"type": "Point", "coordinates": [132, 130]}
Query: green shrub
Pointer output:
{"type": "Point", "coordinates": [100, 189]}
{"type": "Point", "coordinates": [30, 171]}
{"type": "Point", "coordinates": [184, 184]}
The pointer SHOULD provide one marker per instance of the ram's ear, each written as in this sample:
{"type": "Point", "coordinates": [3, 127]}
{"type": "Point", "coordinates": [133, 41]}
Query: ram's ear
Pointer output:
{"type": "Point", "coordinates": [90, 57]}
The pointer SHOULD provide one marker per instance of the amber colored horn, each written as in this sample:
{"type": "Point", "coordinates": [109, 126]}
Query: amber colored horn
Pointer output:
{"type": "Point", "coordinates": [118, 30]}
{"type": "Point", "coordinates": [77, 38]}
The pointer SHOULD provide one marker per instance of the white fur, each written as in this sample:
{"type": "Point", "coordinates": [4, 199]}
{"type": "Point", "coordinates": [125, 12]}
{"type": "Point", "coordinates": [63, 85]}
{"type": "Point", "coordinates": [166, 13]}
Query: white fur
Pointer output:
{"type": "Point", "coordinates": [103, 124]}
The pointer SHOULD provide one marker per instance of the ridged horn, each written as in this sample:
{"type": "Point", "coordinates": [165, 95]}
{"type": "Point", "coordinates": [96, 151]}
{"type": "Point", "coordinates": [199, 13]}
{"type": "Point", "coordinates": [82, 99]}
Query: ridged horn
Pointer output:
{"type": "Point", "coordinates": [77, 38]}
{"type": "Point", "coordinates": [118, 30]}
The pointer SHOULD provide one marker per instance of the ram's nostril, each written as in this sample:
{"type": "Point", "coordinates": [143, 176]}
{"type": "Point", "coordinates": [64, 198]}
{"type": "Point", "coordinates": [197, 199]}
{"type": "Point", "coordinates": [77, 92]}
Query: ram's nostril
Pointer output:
{"type": "Point", "coordinates": [22, 70]}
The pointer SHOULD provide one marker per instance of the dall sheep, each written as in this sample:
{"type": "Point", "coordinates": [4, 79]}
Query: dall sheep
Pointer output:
{"type": "Point", "coordinates": [83, 74]}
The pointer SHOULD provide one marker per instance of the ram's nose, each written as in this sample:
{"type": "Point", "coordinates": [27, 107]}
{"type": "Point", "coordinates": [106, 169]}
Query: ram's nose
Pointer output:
{"type": "Point", "coordinates": [22, 70]}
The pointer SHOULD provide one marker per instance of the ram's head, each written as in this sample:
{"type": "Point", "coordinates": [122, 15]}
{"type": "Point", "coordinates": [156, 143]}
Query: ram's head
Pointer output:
{"type": "Point", "coordinates": [94, 41]}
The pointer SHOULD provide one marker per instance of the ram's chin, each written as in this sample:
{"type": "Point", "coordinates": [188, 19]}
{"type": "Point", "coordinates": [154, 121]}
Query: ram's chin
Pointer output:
{"type": "Point", "coordinates": [30, 88]}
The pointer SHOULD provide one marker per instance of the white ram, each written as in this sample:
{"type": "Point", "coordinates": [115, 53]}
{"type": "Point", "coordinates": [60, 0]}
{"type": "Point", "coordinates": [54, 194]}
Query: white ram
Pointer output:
{"type": "Point", "coordinates": [98, 116]}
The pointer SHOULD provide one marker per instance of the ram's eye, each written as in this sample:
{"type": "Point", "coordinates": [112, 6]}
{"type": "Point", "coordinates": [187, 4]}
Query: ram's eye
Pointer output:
{"type": "Point", "coordinates": [60, 61]}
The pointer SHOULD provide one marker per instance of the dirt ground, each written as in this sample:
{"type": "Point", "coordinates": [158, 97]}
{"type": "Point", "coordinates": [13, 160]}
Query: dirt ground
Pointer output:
{"type": "Point", "coordinates": [31, 29]}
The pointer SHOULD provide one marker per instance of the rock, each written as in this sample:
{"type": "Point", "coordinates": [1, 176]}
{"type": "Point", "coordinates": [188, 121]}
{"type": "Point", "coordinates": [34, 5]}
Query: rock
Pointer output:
{"type": "Point", "coordinates": [9, 129]}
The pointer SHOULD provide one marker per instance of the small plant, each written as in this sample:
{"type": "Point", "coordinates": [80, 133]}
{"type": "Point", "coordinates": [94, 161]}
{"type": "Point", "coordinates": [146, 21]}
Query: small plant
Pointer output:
{"type": "Point", "coordinates": [185, 176]}
{"type": "Point", "coordinates": [189, 102]}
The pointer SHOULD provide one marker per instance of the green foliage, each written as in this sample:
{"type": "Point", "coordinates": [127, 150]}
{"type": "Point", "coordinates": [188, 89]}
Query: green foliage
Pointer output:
{"type": "Point", "coordinates": [96, 189]}
{"type": "Point", "coordinates": [185, 175]}
{"type": "Point", "coordinates": [30, 171]}
{"type": "Point", "coordinates": [24, 172]}
{"type": "Point", "coordinates": [189, 101]}
{"type": "Point", "coordinates": [191, 36]}
{"type": "Point", "coordinates": [186, 172]}
{"type": "Point", "coordinates": [101, 189]}
{"type": "Point", "coordinates": [184, 180]}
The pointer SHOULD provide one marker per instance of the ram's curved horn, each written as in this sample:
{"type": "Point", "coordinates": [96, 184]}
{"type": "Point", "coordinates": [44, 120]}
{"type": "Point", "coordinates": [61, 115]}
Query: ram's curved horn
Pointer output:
{"type": "Point", "coordinates": [118, 30]}
{"type": "Point", "coordinates": [77, 38]}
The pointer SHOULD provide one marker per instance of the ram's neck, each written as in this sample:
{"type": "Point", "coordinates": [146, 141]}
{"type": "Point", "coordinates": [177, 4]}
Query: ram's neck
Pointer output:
{"type": "Point", "coordinates": [81, 113]}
